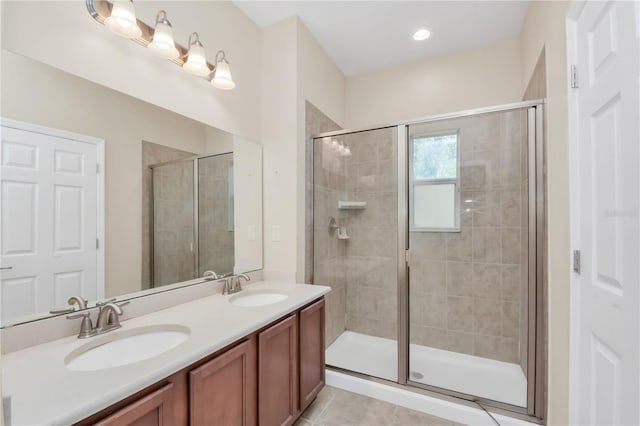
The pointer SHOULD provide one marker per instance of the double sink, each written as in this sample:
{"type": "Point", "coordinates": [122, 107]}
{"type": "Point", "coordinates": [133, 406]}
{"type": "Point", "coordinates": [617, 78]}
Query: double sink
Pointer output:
{"type": "Point", "coordinates": [138, 344]}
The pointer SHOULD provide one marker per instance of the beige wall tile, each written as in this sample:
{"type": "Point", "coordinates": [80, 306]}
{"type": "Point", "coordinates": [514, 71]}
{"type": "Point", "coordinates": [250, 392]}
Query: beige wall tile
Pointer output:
{"type": "Point", "coordinates": [486, 245]}
{"type": "Point", "coordinates": [487, 315]}
{"type": "Point", "coordinates": [460, 313]}
{"type": "Point", "coordinates": [460, 279]}
{"type": "Point", "coordinates": [487, 280]}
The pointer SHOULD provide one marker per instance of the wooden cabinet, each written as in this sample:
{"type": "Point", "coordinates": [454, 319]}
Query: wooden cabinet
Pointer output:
{"type": "Point", "coordinates": [268, 378]}
{"type": "Point", "coordinates": [155, 409]}
{"type": "Point", "coordinates": [311, 352]}
{"type": "Point", "coordinates": [278, 373]}
{"type": "Point", "coordinates": [223, 391]}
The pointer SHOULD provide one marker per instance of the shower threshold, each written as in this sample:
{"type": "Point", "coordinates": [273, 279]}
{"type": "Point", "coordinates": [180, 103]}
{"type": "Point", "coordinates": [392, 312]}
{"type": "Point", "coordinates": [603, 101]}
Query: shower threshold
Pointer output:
{"type": "Point", "coordinates": [375, 356]}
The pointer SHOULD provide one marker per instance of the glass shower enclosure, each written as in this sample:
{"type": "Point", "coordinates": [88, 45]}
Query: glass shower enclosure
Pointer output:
{"type": "Point", "coordinates": [429, 234]}
{"type": "Point", "coordinates": [192, 229]}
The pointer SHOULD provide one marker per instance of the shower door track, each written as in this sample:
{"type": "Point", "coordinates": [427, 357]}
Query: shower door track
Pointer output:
{"type": "Point", "coordinates": [536, 368]}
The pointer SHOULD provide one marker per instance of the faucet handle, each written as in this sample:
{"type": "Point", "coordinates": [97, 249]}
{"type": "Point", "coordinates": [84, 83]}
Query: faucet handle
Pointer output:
{"type": "Point", "coordinates": [72, 302]}
{"type": "Point", "coordinates": [80, 301]}
{"type": "Point", "coordinates": [210, 275]}
{"type": "Point", "coordinates": [105, 302]}
{"type": "Point", "coordinates": [86, 326]}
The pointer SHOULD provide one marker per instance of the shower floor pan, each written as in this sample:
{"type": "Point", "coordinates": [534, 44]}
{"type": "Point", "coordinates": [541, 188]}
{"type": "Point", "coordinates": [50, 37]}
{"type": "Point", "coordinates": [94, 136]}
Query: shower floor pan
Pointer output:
{"type": "Point", "coordinates": [482, 377]}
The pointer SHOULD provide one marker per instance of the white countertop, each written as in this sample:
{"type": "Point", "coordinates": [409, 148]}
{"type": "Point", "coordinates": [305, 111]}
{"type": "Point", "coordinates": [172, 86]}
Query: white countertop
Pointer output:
{"type": "Point", "coordinates": [43, 391]}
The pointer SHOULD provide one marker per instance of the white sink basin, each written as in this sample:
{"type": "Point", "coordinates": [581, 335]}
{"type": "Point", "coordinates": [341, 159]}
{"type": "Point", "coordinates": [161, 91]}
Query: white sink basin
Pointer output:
{"type": "Point", "coordinates": [126, 347]}
{"type": "Point", "coordinates": [251, 298]}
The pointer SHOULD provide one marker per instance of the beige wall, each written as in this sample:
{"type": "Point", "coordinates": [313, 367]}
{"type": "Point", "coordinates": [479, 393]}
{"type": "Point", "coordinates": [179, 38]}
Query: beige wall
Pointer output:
{"type": "Point", "coordinates": [544, 27]}
{"type": "Point", "coordinates": [67, 38]}
{"type": "Point", "coordinates": [33, 92]}
{"type": "Point", "coordinates": [279, 136]}
{"type": "Point", "coordinates": [485, 76]}
{"type": "Point", "coordinates": [294, 69]}
{"type": "Point", "coordinates": [321, 83]}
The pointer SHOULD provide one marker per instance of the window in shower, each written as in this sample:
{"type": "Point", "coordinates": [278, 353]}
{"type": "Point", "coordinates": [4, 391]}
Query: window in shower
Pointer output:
{"type": "Point", "coordinates": [434, 176]}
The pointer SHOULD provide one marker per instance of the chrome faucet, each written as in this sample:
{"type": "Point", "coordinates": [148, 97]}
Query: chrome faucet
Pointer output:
{"type": "Point", "coordinates": [108, 319]}
{"type": "Point", "coordinates": [233, 284]}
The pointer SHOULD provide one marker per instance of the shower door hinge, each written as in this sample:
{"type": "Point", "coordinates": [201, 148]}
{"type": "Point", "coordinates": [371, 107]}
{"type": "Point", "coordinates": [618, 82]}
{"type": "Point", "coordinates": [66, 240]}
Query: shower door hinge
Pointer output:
{"type": "Point", "coordinates": [574, 76]}
{"type": "Point", "coordinates": [576, 261]}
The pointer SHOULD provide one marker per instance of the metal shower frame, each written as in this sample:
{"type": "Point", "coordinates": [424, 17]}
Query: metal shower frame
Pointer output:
{"type": "Point", "coordinates": [536, 344]}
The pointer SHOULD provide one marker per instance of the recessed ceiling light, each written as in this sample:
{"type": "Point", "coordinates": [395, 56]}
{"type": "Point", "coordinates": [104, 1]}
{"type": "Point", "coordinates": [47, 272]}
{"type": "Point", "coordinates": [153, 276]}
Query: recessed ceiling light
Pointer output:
{"type": "Point", "coordinates": [421, 34]}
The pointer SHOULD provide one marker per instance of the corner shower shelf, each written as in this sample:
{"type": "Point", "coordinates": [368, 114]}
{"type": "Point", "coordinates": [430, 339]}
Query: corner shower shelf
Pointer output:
{"type": "Point", "coordinates": [351, 205]}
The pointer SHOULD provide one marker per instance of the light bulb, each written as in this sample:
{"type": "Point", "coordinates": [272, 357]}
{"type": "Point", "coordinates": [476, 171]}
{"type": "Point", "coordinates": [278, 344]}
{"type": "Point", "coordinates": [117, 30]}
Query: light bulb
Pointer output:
{"type": "Point", "coordinates": [222, 74]}
{"type": "Point", "coordinates": [123, 20]}
{"type": "Point", "coordinates": [162, 44]}
{"type": "Point", "coordinates": [196, 63]}
{"type": "Point", "coordinates": [421, 34]}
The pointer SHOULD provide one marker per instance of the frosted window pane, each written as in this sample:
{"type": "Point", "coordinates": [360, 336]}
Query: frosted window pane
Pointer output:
{"type": "Point", "coordinates": [434, 206]}
{"type": "Point", "coordinates": [435, 157]}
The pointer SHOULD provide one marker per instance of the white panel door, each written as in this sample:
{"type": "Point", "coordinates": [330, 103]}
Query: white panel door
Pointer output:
{"type": "Point", "coordinates": [48, 215]}
{"type": "Point", "coordinates": [605, 165]}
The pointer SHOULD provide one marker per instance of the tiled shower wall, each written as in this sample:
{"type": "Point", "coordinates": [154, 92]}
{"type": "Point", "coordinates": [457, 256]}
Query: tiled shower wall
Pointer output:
{"type": "Point", "coordinates": [361, 269]}
{"type": "Point", "coordinates": [173, 228]}
{"type": "Point", "coordinates": [371, 251]}
{"type": "Point", "coordinates": [152, 154]}
{"type": "Point", "coordinates": [468, 289]}
{"type": "Point", "coordinates": [216, 234]}
{"type": "Point", "coordinates": [324, 259]}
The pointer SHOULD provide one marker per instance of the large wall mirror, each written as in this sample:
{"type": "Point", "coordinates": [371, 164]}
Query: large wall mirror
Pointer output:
{"type": "Point", "coordinates": [104, 195]}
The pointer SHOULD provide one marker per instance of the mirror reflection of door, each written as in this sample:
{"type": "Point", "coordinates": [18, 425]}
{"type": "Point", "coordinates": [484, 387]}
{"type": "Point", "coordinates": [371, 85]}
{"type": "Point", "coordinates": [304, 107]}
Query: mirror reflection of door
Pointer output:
{"type": "Point", "coordinates": [49, 219]}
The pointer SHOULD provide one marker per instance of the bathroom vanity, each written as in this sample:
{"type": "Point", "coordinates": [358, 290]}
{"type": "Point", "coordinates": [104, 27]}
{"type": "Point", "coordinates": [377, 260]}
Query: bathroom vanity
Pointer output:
{"type": "Point", "coordinates": [242, 363]}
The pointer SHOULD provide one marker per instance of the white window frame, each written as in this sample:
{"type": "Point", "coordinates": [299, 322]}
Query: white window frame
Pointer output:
{"type": "Point", "coordinates": [413, 183]}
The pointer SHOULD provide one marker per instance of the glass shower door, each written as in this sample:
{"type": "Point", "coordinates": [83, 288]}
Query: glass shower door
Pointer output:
{"type": "Point", "coordinates": [173, 229]}
{"type": "Point", "coordinates": [355, 248]}
{"type": "Point", "coordinates": [468, 237]}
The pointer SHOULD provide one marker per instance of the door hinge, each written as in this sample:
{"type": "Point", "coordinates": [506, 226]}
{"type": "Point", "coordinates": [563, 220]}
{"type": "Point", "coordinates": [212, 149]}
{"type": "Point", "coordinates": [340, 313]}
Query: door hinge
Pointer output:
{"type": "Point", "coordinates": [576, 262]}
{"type": "Point", "coordinates": [97, 243]}
{"type": "Point", "coordinates": [407, 256]}
{"type": "Point", "coordinates": [97, 168]}
{"type": "Point", "coordinates": [574, 76]}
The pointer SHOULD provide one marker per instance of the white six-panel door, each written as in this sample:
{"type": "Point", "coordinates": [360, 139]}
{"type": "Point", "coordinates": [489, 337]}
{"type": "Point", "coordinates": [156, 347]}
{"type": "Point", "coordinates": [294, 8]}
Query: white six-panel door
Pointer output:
{"type": "Point", "coordinates": [49, 226]}
{"type": "Point", "coordinates": [605, 186]}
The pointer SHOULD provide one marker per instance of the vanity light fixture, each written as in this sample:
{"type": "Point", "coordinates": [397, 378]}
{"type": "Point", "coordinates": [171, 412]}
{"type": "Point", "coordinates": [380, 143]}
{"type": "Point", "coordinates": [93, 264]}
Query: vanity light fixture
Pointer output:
{"type": "Point", "coordinates": [222, 74]}
{"type": "Point", "coordinates": [421, 34]}
{"type": "Point", "coordinates": [123, 20]}
{"type": "Point", "coordinates": [162, 43]}
{"type": "Point", "coordinates": [120, 18]}
{"type": "Point", "coordinates": [196, 63]}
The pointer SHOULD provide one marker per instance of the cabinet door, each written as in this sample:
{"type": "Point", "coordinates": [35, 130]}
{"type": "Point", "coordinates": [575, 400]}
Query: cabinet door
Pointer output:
{"type": "Point", "coordinates": [278, 373]}
{"type": "Point", "coordinates": [223, 391]}
{"type": "Point", "coordinates": [155, 409]}
{"type": "Point", "coordinates": [311, 352]}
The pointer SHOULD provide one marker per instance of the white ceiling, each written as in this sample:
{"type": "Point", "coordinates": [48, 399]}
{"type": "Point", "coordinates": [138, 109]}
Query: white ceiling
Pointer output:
{"type": "Point", "coordinates": [363, 36]}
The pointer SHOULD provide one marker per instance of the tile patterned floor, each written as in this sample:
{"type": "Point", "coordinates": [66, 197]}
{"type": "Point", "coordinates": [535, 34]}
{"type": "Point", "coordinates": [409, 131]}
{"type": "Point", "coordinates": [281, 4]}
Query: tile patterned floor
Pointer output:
{"type": "Point", "coordinates": [336, 407]}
